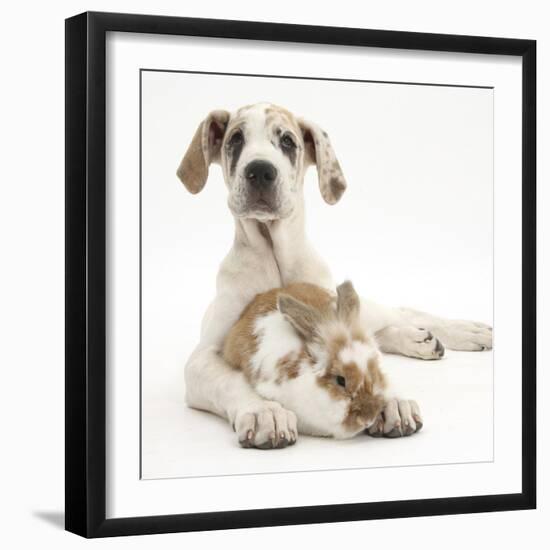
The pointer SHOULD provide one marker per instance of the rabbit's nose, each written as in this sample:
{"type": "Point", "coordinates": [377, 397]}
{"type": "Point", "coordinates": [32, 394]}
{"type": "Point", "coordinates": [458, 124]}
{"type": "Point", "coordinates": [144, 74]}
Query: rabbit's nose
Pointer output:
{"type": "Point", "coordinates": [369, 422]}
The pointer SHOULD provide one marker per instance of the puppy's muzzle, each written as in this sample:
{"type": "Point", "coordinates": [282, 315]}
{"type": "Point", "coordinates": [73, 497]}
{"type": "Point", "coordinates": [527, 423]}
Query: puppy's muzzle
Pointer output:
{"type": "Point", "coordinates": [260, 175]}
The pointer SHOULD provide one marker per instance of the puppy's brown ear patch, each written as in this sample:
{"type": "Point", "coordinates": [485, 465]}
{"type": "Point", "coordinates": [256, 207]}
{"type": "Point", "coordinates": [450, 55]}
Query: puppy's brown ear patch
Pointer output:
{"type": "Point", "coordinates": [304, 318]}
{"type": "Point", "coordinates": [202, 151]}
{"type": "Point", "coordinates": [348, 303]}
{"type": "Point", "coordinates": [319, 151]}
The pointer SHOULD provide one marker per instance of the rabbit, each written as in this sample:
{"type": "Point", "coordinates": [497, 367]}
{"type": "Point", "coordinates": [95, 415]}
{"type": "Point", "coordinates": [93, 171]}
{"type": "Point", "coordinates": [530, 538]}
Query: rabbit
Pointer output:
{"type": "Point", "coordinates": [305, 348]}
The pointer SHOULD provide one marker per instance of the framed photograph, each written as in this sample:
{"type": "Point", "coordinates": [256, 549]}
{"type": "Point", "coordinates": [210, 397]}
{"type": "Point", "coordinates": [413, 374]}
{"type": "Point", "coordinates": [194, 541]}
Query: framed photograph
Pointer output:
{"type": "Point", "coordinates": [300, 274]}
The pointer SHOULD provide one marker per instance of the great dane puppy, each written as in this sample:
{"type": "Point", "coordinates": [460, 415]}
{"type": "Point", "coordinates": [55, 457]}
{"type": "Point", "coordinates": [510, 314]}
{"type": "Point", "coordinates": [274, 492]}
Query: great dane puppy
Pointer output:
{"type": "Point", "coordinates": [264, 151]}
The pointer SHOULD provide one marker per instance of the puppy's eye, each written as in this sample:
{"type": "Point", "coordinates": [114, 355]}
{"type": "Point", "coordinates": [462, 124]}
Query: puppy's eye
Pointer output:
{"type": "Point", "coordinates": [236, 139]}
{"type": "Point", "coordinates": [287, 142]}
{"type": "Point", "coordinates": [341, 381]}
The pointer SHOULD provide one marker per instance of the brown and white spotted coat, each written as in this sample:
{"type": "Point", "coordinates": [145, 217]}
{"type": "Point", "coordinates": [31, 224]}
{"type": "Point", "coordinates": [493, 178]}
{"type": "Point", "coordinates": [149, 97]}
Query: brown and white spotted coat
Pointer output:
{"type": "Point", "coordinates": [306, 349]}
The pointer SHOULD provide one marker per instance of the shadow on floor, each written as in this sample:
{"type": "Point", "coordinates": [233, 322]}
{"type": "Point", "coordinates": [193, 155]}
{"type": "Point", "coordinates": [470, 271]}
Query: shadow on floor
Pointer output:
{"type": "Point", "coordinates": [57, 519]}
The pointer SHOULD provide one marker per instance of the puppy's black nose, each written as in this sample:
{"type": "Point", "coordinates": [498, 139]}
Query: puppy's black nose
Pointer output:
{"type": "Point", "coordinates": [260, 174]}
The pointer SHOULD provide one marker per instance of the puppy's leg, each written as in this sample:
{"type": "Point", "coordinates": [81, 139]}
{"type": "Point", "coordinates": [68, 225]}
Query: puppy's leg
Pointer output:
{"type": "Point", "coordinates": [410, 341]}
{"type": "Point", "coordinates": [212, 385]}
{"type": "Point", "coordinates": [402, 325]}
{"type": "Point", "coordinates": [454, 334]}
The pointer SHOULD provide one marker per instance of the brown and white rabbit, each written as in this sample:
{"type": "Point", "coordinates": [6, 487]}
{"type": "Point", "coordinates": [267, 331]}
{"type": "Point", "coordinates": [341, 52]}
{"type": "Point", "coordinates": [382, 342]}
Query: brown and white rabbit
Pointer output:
{"type": "Point", "coordinates": [306, 349]}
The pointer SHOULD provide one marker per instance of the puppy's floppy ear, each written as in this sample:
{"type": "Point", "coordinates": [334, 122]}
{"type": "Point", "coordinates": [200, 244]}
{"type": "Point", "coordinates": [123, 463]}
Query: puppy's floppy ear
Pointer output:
{"type": "Point", "coordinates": [204, 148]}
{"type": "Point", "coordinates": [348, 303]}
{"type": "Point", "coordinates": [304, 318]}
{"type": "Point", "coordinates": [319, 151]}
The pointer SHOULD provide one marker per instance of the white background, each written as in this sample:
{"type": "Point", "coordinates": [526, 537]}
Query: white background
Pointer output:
{"type": "Point", "coordinates": [32, 289]}
{"type": "Point", "coordinates": [415, 227]}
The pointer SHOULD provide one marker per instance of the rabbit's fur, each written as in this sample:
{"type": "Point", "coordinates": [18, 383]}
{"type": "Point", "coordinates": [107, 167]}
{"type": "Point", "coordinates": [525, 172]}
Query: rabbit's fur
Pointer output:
{"type": "Point", "coordinates": [305, 348]}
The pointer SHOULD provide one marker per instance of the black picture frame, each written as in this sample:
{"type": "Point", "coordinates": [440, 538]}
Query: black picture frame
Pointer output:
{"type": "Point", "coordinates": [85, 427]}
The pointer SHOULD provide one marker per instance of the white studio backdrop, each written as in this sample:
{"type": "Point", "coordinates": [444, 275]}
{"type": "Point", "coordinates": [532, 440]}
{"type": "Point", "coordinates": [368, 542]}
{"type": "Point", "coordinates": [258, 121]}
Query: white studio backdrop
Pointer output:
{"type": "Point", "coordinates": [415, 228]}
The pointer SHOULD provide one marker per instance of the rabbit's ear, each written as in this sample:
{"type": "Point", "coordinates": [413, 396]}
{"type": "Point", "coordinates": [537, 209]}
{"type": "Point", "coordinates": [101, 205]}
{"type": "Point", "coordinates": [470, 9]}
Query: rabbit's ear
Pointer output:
{"type": "Point", "coordinates": [305, 319]}
{"type": "Point", "coordinates": [348, 302]}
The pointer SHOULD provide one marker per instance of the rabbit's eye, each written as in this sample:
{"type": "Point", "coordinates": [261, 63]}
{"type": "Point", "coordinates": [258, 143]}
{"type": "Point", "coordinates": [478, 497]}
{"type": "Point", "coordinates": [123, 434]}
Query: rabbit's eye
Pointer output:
{"type": "Point", "coordinates": [341, 381]}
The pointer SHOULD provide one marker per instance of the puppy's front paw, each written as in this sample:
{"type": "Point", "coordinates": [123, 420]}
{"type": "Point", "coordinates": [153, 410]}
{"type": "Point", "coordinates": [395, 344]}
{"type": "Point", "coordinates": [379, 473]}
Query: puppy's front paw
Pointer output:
{"type": "Point", "coordinates": [266, 426]}
{"type": "Point", "coordinates": [400, 417]}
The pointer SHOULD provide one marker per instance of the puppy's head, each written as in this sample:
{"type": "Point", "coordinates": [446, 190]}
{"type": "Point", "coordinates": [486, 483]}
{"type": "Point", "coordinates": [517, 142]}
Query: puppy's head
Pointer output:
{"type": "Point", "coordinates": [264, 151]}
